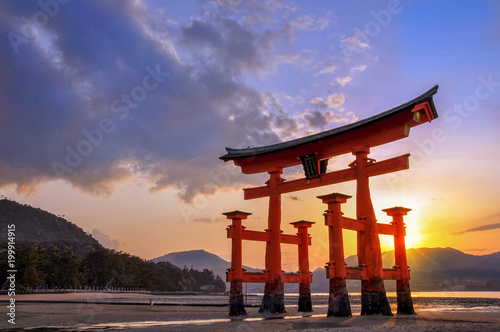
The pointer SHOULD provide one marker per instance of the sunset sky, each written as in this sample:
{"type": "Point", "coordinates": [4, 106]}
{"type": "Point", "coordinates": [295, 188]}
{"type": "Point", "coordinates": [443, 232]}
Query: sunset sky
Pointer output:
{"type": "Point", "coordinates": [114, 114]}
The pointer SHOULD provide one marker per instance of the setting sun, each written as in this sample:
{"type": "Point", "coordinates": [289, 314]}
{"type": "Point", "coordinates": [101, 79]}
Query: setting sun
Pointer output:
{"type": "Point", "coordinates": [413, 237]}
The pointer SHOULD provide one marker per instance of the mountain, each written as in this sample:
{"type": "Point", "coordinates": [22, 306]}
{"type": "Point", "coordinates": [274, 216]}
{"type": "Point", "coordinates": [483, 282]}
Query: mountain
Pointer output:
{"type": "Point", "coordinates": [435, 259]}
{"type": "Point", "coordinates": [199, 260]}
{"type": "Point", "coordinates": [34, 226]}
{"type": "Point", "coordinates": [430, 268]}
{"type": "Point", "coordinates": [95, 266]}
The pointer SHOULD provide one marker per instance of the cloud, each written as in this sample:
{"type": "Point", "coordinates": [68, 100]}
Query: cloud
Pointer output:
{"type": "Point", "coordinates": [328, 68]}
{"type": "Point", "coordinates": [253, 13]}
{"type": "Point", "coordinates": [311, 22]}
{"type": "Point", "coordinates": [352, 115]}
{"type": "Point", "coordinates": [305, 58]}
{"type": "Point", "coordinates": [107, 91]}
{"type": "Point", "coordinates": [354, 45]}
{"type": "Point", "coordinates": [318, 101]}
{"type": "Point", "coordinates": [230, 43]}
{"type": "Point", "coordinates": [357, 68]}
{"type": "Point", "coordinates": [479, 229]}
{"type": "Point", "coordinates": [285, 125]}
{"type": "Point", "coordinates": [333, 100]}
{"type": "Point", "coordinates": [296, 100]}
{"type": "Point", "coordinates": [343, 81]}
{"type": "Point", "coordinates": [105, 240]}
{"type": "Point", "coordinates": [205, 220]}
{"type": "Point", "coordinates": [318, 120]}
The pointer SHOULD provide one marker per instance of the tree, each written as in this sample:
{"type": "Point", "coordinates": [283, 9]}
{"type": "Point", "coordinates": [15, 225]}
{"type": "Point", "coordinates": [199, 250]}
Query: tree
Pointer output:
{"type": "Point", "coordinates": [29, 269]}
{"type": "Point", "coordinates": [62, 270]}
{"type": "Point", "coordinates": [220, 285]}
{"type": "Point", "coordinates": [101, 268]}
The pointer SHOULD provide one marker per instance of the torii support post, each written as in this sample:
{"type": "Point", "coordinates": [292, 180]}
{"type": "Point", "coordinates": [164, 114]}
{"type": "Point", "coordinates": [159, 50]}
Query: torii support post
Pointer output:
{"type": "Point", "coordinates": [338, 300]}
{"type": "Point", "coordinates": [405, 303]}
{"type": "Point", "coordinates": [274, 291]}
{"type": "Point", "coordinates": [373, 296]}
{"type": "Point", "coordinates": [305, 303]}
{"type": "Point", "coordinates": [236, 301]}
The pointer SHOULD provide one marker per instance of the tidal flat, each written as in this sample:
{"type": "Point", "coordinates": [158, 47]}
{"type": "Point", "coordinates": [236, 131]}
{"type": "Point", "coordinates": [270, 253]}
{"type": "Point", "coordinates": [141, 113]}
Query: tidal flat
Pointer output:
{"type": "Point", "coordinates": [96, 311]}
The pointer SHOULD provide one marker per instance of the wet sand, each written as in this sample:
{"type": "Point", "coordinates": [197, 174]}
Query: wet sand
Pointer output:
{"type": "Point", "coordinates": [105, 311]}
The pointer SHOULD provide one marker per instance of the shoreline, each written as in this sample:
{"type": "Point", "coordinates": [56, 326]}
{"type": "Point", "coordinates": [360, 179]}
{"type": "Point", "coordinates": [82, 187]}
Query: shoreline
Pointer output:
{"type": "Point", "coordinates": [447, 293]}
{"type": "Point", "coordinates": [141, 312]}
{"type": "Point", "coordinates": [68, 317]}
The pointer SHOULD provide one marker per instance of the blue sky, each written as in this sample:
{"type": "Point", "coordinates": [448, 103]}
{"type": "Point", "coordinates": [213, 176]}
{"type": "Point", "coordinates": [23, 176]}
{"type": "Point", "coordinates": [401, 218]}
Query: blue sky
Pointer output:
{"type": "Point", "coordinates": [114, 113]}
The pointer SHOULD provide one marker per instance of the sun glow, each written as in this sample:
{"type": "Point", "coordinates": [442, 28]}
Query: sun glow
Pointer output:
{"type": "Point", "coordinates": [413, 237]}
{"type": "Point", "coordinates": [413, 222]}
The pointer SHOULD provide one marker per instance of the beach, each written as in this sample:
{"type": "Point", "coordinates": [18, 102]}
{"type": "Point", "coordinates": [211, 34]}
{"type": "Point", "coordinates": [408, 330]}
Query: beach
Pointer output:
{"type": "Point", "coordinates": [94, 311]}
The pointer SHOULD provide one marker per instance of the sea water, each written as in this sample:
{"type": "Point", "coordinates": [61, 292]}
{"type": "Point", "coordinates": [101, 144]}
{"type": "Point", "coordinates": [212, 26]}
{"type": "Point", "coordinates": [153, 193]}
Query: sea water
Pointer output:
{"type": "Point", "coordinates": [467, 302]}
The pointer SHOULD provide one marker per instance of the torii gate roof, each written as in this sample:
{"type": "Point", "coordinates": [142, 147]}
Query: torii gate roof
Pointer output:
{"type": "Point", "coordinates": [379, 129]}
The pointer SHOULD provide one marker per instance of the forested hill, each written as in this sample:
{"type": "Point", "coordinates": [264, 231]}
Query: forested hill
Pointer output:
{"type": "Point", "coordinates": [52, 253]}
{"type": "Point", "coordinates": [40, 228]}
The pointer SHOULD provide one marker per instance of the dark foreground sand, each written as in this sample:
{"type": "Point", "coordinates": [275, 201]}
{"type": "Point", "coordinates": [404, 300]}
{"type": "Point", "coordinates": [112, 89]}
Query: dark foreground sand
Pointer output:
{"type": "Point", "coordinates": [84, 312]}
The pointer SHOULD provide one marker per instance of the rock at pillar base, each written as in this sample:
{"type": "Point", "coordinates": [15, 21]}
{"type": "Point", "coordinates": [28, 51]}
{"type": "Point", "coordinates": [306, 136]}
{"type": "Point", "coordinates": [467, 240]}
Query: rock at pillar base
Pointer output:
{"type": "Point", "coordinates": [273, 303]}
{"type": "Point", "coordinates": [405, 302]}
{"type": "Point", "coordinates": [274, 297]}
{"type": "Point", "coordinates": [338, 300]}
{"type": "Point", "coordinates": [237, 306]}
{"type": "Point", "coordinates": [375, 303]}
{"type": "Point", "coordinates": [373, 298]}
{"type": "Point", "coordinates": [305, 303]}
{"type": "Point", "coordinates": [236, 301]}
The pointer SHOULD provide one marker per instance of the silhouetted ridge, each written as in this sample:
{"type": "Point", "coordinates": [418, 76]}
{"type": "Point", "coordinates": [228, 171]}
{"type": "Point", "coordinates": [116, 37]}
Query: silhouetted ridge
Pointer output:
{"type": "Point", "coordinates": [37, 227]}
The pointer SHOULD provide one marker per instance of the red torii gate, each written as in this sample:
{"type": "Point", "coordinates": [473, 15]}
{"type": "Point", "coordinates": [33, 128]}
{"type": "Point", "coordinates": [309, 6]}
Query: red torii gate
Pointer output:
{"type": "Point", "coordinates": [313, 153]}
{"type": "Point", "coordinates": [338, 302]}
{"type": "Point", "coordinates": [237, 275]}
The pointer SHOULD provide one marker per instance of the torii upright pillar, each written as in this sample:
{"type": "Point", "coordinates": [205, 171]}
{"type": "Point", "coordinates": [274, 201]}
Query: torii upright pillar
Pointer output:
{"type": "Point", "coordinates": [373, 297]}
{"type": "Point", "coordinates": [305, 303]}
{"type": "Point", "coordinates": [236, 303]}
{"type": "Point", "coordinates": [274, 291]}
{"type": "Point", "coordinates": [338, 299]}
{"type": "Point", "coordinates": [405, 303]}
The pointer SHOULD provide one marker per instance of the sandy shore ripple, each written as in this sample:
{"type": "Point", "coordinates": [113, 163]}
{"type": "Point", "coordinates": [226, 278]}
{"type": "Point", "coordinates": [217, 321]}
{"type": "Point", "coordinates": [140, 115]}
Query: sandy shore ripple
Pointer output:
{"type": "Point", "coordinates": [147, 312]}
